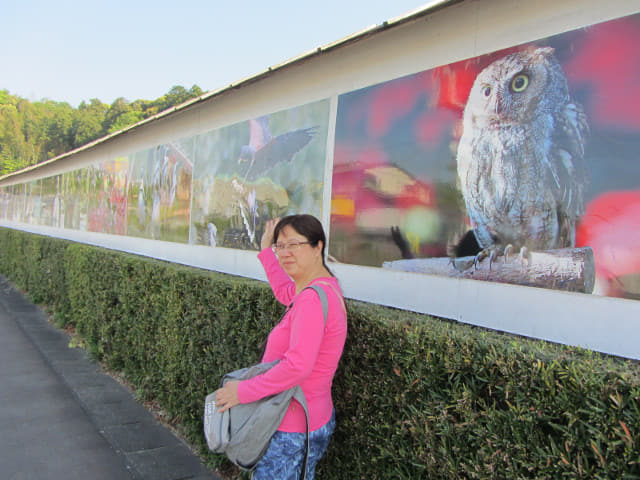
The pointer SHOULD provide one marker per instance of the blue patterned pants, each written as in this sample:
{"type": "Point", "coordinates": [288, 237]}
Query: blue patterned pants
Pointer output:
{"type": "Point", "coordinates": [285, 454]}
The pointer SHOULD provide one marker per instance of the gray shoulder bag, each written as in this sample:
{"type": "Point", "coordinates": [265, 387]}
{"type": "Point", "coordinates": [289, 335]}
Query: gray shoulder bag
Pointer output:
{"type": "Point", "coordinates": [243, 432]}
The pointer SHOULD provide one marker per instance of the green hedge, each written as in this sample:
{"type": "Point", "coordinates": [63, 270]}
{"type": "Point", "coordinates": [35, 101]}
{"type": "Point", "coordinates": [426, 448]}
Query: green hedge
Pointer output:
{"type": "Point", "coordinates": [416, 397]}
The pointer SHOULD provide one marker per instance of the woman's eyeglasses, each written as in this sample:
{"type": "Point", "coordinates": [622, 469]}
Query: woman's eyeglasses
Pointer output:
{"type": "Point", "coordinates": [289, 247]}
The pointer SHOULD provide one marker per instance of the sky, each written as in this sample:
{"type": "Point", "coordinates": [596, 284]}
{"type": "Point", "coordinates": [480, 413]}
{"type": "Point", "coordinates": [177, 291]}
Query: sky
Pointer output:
{"type": "Point", "coordinates": [73, 51]}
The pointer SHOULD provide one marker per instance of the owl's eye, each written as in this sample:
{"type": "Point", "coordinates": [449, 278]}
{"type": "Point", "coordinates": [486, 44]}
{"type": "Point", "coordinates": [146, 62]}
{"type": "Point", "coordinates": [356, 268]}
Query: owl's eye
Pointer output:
{"type": "Point", "coordinates": [520, 83]}
{"type": "Point", "coordinates": [486, 90]}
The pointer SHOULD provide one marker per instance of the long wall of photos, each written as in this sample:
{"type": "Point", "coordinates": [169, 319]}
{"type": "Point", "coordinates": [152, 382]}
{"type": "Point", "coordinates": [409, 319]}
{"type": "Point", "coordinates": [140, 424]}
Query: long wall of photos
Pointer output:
{"type": "Point", "coordinates": [497, 185]}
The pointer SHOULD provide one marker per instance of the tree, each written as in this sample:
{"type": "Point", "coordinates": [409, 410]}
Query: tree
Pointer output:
{"type": "Point", "coordinates": [121, 114]}
{"type": "Point", "coordinates": [88, 121]}
{"type": "Point", "coordinates": [177, 95]}
{"type": "Point", "coordinates": [59, 128]}
{"type": "Point", "coordinates": [34, 132]}
{"type": "Point", "coordinates": [195, 91]}
{"type": "Point", "coordinates": [12, 144]}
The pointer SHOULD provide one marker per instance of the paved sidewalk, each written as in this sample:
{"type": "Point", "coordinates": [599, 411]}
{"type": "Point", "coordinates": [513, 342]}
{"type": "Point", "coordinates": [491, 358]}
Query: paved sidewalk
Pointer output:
{"type": "Point", "coordinates": [62, 418]}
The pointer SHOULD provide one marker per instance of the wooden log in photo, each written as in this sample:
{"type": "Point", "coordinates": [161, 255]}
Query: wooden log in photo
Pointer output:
{"type": "Point", "coordinates": [568, 269]}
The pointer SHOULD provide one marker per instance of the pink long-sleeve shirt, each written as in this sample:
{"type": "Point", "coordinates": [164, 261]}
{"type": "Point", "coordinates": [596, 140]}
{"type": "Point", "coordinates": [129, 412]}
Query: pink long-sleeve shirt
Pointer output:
{"type": "Point", "coordinates": [308, 349]}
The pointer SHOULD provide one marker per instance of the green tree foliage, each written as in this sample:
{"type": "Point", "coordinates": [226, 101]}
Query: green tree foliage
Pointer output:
{"type": "Point", "coordinates": [120, 115]}
{"type": "Point", "coordinates": [32, 132]}
{"type": "Point", "coordinates": [87, 122]}
{"type": "Point", "coordinates": [176, 96]}
{"type": "Point", "coordinates": [58, 135]}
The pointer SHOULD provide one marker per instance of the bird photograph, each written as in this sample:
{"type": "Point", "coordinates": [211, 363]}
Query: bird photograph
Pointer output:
{"type": "Point", "coordinates": [264, 167]}
{"type": "Point", "coordinates": [520, 160]}
{"type": "Point", "coordinates": [265, 151]}
{"type": "Point", "coordinates": [158, 192]}
{"type": "Point", "coordinates": [257, 159]}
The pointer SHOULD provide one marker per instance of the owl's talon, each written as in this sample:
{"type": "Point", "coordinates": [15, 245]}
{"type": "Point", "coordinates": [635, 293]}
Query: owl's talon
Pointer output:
{"type": "Point", "coordinates": [507, 251]}
{"type": "Point", "coordinates": [481, 256]}
{"type": "Point", "coordinates": [492, 256]}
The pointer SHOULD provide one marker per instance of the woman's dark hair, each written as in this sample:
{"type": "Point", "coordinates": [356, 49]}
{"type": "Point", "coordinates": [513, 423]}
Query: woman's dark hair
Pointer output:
{"type": "Point", "coordinates": [309, 227]}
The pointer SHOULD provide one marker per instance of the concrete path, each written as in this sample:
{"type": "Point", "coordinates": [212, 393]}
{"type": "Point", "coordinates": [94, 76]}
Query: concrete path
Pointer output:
{"type": "Point", "coordinates": [62, 418]}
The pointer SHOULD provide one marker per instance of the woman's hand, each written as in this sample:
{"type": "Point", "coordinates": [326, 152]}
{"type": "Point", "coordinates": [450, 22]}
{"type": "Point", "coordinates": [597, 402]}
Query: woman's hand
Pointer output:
{"type": "Point", "coordinates": [227, 396]}
{"type": "Point", "coordinates": [267, 237]}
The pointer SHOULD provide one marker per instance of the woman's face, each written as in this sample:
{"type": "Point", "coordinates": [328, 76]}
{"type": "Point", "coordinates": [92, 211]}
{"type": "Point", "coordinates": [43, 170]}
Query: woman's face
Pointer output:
{"type": "Point", "coordinates": [298, 258]}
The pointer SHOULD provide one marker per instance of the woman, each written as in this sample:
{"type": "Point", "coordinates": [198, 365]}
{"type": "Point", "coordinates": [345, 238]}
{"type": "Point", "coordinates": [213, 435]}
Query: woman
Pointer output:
{"type": "Point", "coordinates": [308, 349]}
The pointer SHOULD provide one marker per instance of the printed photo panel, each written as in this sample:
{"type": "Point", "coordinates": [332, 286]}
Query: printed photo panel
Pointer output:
{"type": "Point", "coordinates": [32, 206]}
{"type": "Point", "coordinates": [48, 198]}
{"type": "Point", "coordinates": [18, 196]}
{"type": "Point", "coordinates": [5, 199]}
{"type": "Point", "coordinates": [111, 212]}
{"type": "Point", "coordinates": [249, 172]}
{"type": "Point", "coordinates": [139, 198]}
{"type": "Point", "coordinates": [75, 199]}
{"type": "Point", "coordinates": [159, 192]}
{"type": "Point", "coordinates": [96, 198]}
{"type": "Point", "coordinates": [519, 166]}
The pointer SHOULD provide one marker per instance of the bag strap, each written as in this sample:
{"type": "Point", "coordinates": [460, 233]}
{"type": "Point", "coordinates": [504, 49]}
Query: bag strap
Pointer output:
{"type": "Point", "coordinates": [323, 299]}
{"type": "Point", "coordinates": [338, 295]}
{"type": "Point", "coordinates": [299, 395]}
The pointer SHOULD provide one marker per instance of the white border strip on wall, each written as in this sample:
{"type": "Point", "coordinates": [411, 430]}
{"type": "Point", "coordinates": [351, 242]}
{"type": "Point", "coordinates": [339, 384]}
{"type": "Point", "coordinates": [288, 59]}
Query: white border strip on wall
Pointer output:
{"type": "Point", "coordinates": [328, 165]}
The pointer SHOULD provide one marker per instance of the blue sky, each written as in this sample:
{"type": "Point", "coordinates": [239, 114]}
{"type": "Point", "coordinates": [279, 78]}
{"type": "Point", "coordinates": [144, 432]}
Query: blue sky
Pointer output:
{"type": "Point", "coordinates": [77, 50]}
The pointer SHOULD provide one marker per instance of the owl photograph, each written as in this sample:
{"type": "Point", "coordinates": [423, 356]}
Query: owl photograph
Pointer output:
{"type": "Point", "coordinates": [520, 160]}
{"type": "Point", "coordinates": [500, 160]}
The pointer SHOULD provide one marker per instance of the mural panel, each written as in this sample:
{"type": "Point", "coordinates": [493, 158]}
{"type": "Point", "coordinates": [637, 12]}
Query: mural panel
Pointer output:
{"type": "Point", "coordinates": [5, 199]}
{"type": "Point", "coordinates": [96, 199]}
{"type": "Point", "coordinates": [76, 199]}
{"type": "Point", "coordinates": [263, 168]}
{"type": "Point", "coordinates": [32, 195]}
{"type": "Point", "coordinates": [48, 196]}
{"type": "Point", "coordinates": [19, 197]}
{"type": "Point", "coordinates": [108, 215]}
{"type": "Point", "coordinates": [519, 166]}
{"type": "Point", "coordinates": [159, 192]}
